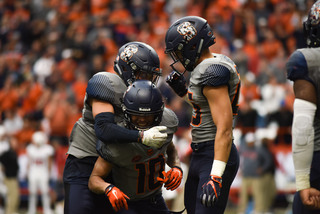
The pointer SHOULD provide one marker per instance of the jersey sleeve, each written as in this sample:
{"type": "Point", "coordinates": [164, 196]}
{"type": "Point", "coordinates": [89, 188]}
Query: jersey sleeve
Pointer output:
{"type": "Point", "coordinates": [215, 75]}
{"type": "Point", "coordinates": [103, 151]}
{"type": "Point", "coordinates": [297, 67]}
{"type": "Point", "coordinates": [100, 87]}
{"type": "Point", "coordinates": [170, 120]}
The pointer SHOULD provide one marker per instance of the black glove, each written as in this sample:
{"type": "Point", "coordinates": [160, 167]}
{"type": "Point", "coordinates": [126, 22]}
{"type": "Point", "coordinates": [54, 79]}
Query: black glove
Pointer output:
{"type": "Point", "coordinates": [177, 82]}
{"type": "Point", "coordinates": [211, 191]}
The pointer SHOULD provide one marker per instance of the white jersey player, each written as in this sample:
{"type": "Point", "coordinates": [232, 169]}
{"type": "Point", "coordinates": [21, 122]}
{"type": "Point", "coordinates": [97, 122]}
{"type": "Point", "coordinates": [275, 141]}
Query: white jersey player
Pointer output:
{"type": "Point", "coordinates": [39, 154]}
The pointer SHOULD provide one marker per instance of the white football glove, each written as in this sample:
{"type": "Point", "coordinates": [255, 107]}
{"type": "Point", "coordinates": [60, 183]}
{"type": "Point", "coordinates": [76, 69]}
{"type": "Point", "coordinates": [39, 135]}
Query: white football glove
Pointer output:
{"type": "Point", "coordinates": [155, 136]}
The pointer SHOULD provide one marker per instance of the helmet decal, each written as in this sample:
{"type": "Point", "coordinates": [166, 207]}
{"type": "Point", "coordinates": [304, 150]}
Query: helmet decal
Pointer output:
{"type": "Point", "coordinates": [315, 13]}
{"type": "Point", "coordinates": [128, 52]}
{"type": "Point", "coordinates": [187, 30]}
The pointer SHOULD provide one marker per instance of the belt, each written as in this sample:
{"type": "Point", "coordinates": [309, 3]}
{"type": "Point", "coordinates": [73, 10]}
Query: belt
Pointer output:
{"type": "Point", "coordinates": [198, 146]}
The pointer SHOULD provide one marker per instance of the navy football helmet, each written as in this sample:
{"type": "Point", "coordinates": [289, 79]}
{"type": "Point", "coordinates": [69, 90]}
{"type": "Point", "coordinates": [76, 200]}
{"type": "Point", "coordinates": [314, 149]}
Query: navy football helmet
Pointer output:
{"type": "Point", "coordinates": [142, 105]}
{"type": "Point", "coordinates": [311, 27]}
{"type": "Point", "coordinates": [137, 60]}
{"type": "Point", "coordinates": [186, 38]}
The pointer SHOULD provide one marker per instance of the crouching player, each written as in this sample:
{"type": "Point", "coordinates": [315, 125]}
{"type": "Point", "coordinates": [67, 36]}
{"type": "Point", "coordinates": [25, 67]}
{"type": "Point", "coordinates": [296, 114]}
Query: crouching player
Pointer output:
{"type": "Point", "coordinates": [138, 170]}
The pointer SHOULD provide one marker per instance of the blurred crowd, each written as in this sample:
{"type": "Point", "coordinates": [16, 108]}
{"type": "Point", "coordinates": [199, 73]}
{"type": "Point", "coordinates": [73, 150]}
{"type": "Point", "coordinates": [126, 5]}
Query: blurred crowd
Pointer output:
{"type": "Point", "coordinates": [50, 48]}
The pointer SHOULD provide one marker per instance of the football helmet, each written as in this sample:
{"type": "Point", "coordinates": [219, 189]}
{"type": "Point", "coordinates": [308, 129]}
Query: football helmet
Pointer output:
{"type": "Point", "coordinates": [142, 105]}
{"type": "Point", "coordinates": [185, 40]}
{"type": "Point", "coordinates": [39, 138]}
{"type": "Point", "coordinates": [311, 27]}
{"type": "Point", "coordinates": [137, 60]}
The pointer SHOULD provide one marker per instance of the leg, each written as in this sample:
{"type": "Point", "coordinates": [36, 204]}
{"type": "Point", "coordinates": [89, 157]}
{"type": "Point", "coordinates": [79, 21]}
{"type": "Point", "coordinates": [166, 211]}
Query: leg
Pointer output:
{"type": "Point", "coordinates": [244, 194]}
{"type": "Point", "coordinates": [32, 204]}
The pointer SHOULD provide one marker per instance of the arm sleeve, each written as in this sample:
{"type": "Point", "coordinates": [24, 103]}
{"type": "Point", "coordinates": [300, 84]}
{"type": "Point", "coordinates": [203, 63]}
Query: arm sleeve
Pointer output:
{"type": "Point", "coordinates": [109, 132]}
{"type": "Point", "coordinates": [303, 141]}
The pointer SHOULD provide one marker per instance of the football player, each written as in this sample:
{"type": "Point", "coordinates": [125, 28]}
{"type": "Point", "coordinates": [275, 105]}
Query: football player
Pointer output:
{"type": "Point", "coordinates": [101, 111]}
{"type": "Point", "coordinates": [303, 68]}
{"type": "Point", "coordinates": [213, 91]}
{"type": "Point", "coordinates": [137, 169]}
{"type": "Point", "coordinates": [39, 154]}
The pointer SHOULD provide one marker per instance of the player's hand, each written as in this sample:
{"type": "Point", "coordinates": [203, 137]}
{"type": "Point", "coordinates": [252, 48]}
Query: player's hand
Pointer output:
{"type": "Point", "coordinates": [117, 198]}
{"type": "Point", "coordinates": [172, 179]}
{"type": "Point", "coordinates": [155, 136]}
{"type": "Point", "coordinates": [211, 191]}
{"type": "Point", "coordinates": [177, 82]}
{"type": "Point", "coordinates": [310, 198]}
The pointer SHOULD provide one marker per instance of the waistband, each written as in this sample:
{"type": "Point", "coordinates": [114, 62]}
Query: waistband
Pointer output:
{"type": "Point", "coordinates": [199, 146]}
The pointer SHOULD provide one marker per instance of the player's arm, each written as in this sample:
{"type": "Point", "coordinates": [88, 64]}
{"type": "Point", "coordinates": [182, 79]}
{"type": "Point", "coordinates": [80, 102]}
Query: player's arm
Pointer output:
{"type": "Point", "coordinates": [172, 179]}
{"type": "Point", "coordinates": [109, 132]}
{"type": "Point", "coordinates": [303, 140]}
{"type": "Point", "coordinates": [221, 111]}
{"type": "Point", "coordinates": [101, 170]}
{"type": "Point", "coordinates": [97, 185]}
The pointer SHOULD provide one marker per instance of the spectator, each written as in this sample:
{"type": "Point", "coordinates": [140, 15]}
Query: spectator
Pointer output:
{"type": "Point", "coordinates": [9, 160]}
{"type": "Point", "coordinates": [255, 162]}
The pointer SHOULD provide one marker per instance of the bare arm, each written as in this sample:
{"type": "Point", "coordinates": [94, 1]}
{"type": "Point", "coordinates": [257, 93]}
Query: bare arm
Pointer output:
{"type": "Point", "coordinates": [173, 159]}
{"type": "Point", "coordinates": [100, 106]}
{"type": "Point", "coordinates": [100, 171]}
{"type": "Point", "coordinates": [305, 90]}
{"type": "Point", "coordinates": [221, 111]}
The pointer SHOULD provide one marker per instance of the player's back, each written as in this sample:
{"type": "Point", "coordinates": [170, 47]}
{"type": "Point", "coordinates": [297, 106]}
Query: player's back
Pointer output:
{"type": "Point", "coordinates": [103, 86]}
{"type": "Point", "coordinates": [305, 64]}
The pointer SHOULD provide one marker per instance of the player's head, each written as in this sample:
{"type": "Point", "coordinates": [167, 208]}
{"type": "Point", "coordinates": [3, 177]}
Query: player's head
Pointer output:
{"type": "Point", "coordinates": [186, 39]}
{"type": "Point", "coordinates": [311, 26]}
{"type": "Point", "coordinates": [143, 105]}
{"type": "Point", "coordinates": [39, 138]}
{"type": "Point", "coordinates": [137, 60]}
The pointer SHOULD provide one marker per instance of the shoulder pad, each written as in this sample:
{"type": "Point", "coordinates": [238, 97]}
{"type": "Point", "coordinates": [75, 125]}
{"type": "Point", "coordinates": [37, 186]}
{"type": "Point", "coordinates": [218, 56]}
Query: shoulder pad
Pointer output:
{"type": "Point", "coordinates": [215, 75]}
{"type": "Point", "coordinates": [297, 67]}
{"type": "Point", "coordinates": [170, 120]}
{"type": "Point", "coordinates": [103, 86]}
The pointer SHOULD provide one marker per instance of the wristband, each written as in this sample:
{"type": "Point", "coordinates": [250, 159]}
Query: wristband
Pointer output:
{"type": "Point", "coordinates": [218, 168]}
{"type": "Point", "coordinates": [140, 136]}
{"type": "Point", "coordinates": [108, 189]}
{"type": "Point", "coordinates": [178, 168]}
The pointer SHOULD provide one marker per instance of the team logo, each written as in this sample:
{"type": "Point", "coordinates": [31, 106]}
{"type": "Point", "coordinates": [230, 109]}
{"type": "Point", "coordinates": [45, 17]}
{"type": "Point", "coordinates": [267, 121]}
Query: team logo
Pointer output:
{"type": "Point", "coordinates": [128, 52]}
{"type": "Point", "coordinates": [187, 30]}
{"type": "Point", "coordinates": [315, 13]}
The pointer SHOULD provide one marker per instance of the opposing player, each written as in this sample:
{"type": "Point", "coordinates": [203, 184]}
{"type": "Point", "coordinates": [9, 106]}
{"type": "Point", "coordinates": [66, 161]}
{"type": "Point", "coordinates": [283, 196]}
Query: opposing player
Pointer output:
{"type": "Point", "coordinates": [102, 110]}
{"type": "Point", "coordinates": [213, 92]}
{"type": "Point", "coordinates": [39, 154]}
{"type": "Point", "coordinates": [303, 68]}
{"type": "Point", "coordinates": [137, 169]}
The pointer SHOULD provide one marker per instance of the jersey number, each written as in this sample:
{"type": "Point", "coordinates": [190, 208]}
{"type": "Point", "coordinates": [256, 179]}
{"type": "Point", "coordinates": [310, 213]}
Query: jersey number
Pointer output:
{"type": "Point", "coordinates": [147, 172]}
{"type": "Point", "coordinates": [196, 119]}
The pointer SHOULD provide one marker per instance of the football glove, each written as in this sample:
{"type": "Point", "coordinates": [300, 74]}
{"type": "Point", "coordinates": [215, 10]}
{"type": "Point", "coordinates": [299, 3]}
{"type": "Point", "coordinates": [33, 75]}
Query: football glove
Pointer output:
{"type": "Point", "coordinates": [172, 179]}
{"type": "Point", "coordinates": [116, 197]}
{"type": "Point", "coordinates": [211, 191]}
{"type": "Point", "coordinates": [177, 82]}
{"type": "Point", "coordinates": [154, 136]}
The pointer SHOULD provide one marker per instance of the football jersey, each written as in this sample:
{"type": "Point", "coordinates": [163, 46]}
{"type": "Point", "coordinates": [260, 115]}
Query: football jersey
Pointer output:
{"type": "Point", "coordinates": [136, 166]}
{"type": "Point", "coordinates": [103, 86]}
{"type": "Point", "coordinates": [38, 157]}
{"type": "Point", "coordinates": [305, 64]}
{"type": "Point", "coordinates": [217, 71]}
